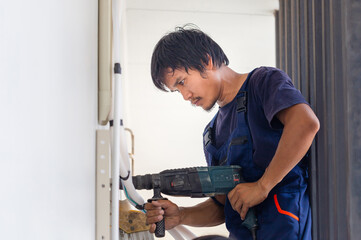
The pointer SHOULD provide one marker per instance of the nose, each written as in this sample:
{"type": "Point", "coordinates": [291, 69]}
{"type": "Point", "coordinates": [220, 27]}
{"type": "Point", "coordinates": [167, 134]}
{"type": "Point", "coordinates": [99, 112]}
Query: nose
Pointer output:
{"type": "Point", "coordinates": [187, 95]}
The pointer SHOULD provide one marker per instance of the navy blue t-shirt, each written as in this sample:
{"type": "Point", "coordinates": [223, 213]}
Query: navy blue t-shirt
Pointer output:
{"type": "Point", "coordinates": [270, 90]}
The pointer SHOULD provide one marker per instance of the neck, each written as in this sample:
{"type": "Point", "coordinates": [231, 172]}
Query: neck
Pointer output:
{"type": "Point", "coordinates": [231, 82]}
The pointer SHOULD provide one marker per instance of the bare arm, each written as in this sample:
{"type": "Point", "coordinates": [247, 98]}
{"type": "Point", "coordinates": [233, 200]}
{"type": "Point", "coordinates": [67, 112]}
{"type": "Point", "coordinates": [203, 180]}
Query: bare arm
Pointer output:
{"type": "Point", "coordinates": [300, 128]}
{"type": "Point", "coordinates": [205, 214]}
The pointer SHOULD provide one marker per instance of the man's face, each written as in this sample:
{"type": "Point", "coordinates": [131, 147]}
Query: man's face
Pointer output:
{"type": "Point", "coordinates": [200, 90]}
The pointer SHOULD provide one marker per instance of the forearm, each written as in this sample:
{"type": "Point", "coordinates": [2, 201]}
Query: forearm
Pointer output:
{"type": "Point", "coordinates": [205, 214]}
{"type": "Point", "coordinates": [297, 137]}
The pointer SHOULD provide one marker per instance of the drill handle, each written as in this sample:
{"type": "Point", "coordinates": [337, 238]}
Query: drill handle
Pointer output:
{"type": "Point", "coordinates": [159, 226]}
{"type": "Point", "coordinates": [250, 221]}
{"type": "Point", "coordinates": [160, 229]}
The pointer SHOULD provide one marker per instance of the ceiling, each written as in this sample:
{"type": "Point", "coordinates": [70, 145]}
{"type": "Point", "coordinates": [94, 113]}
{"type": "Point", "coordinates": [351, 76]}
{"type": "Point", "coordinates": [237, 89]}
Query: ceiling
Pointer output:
{"type": "Point", "coordinates": [265, 7]}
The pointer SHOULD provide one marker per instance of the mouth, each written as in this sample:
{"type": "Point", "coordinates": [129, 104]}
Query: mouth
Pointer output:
{"type": "Point", "coordinates": [196, 101]}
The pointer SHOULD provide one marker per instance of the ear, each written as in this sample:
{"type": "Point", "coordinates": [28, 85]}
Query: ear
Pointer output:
{"type": "Point", "coordinates": [209, 65]}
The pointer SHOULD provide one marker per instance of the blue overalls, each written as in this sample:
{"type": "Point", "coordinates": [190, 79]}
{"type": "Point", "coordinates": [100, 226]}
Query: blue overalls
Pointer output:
{"type": "Point", "coordinates": [285, 213]}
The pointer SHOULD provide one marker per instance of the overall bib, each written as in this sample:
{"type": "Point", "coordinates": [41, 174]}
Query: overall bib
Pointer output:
{"type": "Point", "coordinates": [285, 213]}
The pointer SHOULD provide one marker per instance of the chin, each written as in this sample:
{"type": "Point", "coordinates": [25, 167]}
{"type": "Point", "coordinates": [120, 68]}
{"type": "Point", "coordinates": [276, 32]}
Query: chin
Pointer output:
{"type": "Point", "coordinates": [209, 108]}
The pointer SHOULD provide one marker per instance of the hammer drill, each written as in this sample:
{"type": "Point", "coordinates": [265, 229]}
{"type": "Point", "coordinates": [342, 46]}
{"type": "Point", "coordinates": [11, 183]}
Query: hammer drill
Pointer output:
{"type": "Point", "coordinates": [194, 182]}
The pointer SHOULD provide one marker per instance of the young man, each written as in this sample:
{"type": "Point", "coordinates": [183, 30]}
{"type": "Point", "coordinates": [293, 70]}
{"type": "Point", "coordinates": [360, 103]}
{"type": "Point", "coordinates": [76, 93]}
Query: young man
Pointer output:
{"type": "Point", "coordinates": [263, 124]}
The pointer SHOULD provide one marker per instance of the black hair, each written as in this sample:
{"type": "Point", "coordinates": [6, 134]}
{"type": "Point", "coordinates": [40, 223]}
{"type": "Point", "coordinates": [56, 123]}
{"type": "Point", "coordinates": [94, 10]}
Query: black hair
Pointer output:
{"type": "Point", "coordinates": [185, 48]}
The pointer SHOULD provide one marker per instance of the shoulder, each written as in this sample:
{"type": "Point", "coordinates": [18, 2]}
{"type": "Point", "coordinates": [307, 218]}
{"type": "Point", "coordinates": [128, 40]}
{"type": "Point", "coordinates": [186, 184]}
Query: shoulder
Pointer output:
{"type": "Point", "coordinates": [273, 90]}
{"type": "Point", "coordinates": [266, 79]}
{"type": "Point", "coordinates": [268, 73]}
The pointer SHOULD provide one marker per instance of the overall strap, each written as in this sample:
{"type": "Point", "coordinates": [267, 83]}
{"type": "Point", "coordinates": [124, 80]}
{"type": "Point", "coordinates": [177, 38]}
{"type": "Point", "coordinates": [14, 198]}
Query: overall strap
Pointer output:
{"type": "Point", "coordinates": [242, 101]}
{"type": "Point", "coordinates": [242, 96]}
{"type": "Point", "coordinates": [207, 135]}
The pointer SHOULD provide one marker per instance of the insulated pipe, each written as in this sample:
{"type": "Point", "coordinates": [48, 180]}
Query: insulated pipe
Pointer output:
{"type": "Point", "coordinates": [175, 234]}
{"type": "Point", "coordinates": [185, 232]}
{"type": "Point", "coordinates": [117, 121]}
{"type": "Point", "coordinates": [115, 164]}
{"type": "Point", "coordinates": [121, 160]}
{"type": "Point", "coordinates": [120, 157]}
{"type": "Point", "coordinates": [116, 16]}
{"type": "Point", "coordinates": [131, 154]}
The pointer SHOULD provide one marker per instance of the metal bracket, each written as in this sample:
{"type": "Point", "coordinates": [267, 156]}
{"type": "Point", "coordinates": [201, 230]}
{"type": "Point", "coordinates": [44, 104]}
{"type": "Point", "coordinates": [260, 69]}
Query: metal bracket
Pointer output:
{"type": "Point", "coordinates": [102, 185]}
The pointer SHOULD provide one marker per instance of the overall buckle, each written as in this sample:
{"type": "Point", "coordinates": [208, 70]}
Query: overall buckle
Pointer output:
{"type": "Point", "coordinates": [242, 103]}
{"type": "Point", "coordinates": [207, 137]}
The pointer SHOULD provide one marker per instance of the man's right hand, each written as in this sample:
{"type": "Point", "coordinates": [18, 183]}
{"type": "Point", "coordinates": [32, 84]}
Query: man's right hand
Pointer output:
{"type": "Point", "coordinates": [157, 210]}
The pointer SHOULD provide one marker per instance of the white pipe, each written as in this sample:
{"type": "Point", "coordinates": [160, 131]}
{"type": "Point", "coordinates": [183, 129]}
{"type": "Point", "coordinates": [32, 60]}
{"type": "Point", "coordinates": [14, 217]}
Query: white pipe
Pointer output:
{"type": "Point", "coordinates": [185, 232]}
{"type": "Point", "coordinates": [116, 124]}
{"type": "Point", "coordinates": [119, 132]}
{"type": "Point", "coordinates": [116, 16]}
{"type": "Point", "coordinates": [115, 164]}
{"type": "Point", "coordinates": [120, 157]}
{"type": "Point", "coordinates": [175, 234]}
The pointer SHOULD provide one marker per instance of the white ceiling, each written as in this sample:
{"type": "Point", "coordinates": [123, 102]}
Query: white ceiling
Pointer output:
{"type": "Point", "coordinates": [222, 6]}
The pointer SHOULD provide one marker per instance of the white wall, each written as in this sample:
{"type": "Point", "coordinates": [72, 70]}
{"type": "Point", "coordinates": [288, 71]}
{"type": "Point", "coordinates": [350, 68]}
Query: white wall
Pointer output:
{"type": "Point", "coordinates": [168, 131]}
{"type": "Point", "coordinates": [48, 79]}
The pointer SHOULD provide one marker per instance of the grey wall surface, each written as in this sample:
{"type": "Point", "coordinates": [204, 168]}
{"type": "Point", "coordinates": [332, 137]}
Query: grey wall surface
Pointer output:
{"type": "Point", "coordinates": [318, 43]}
{"type": "Point", "coordinates": [352, 10]}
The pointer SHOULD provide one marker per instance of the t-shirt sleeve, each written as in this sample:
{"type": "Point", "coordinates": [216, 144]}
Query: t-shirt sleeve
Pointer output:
{"type": "Point", "coordinates": [276, 92]}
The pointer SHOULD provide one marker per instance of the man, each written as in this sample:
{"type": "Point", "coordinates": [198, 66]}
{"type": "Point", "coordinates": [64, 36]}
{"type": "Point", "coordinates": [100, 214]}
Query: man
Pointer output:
{"type": "Point", "coordinates": [263, 124]}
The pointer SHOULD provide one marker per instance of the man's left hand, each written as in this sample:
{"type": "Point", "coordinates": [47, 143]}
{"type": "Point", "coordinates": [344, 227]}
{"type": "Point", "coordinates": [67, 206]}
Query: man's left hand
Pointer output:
{"type": "Point", "coordinates": [245, 196]}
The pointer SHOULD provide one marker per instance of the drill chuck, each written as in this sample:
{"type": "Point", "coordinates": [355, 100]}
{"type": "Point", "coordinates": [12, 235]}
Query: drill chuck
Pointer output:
{"type": "Point", "coordinates": [143, 182]}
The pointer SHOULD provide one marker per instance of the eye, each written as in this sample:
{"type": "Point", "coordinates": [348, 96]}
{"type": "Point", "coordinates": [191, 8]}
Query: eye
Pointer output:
{"type": "Point", "coordinates": [181, 82]}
